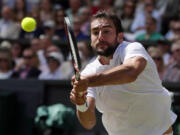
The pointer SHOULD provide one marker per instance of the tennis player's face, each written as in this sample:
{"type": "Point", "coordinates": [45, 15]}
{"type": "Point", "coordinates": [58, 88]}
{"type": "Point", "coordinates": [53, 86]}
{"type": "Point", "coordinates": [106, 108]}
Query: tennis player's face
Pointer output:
{"type": "Point", "coordinates": [104, 38]}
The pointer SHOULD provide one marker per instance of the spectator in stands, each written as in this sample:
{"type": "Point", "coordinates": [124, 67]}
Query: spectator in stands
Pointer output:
{"type": "Point", "coordinates": [50, 49]}
{"type": "Point", "coordinates": [157, 56]}
{"type": "Point", "coordinates": [29, 66]}
{"type": "Point", "coordinates": [72, 11]}
{"type": "Point", "coordinates": [45, 42]}
{"type": "Point", "coordinates": [174, 31]}
{"type": "Point", "coordinates": [79, 35]}
{"type": "Point", "coordinates": [172, 73]}
{"type": "Point", "coordinates": [139, 21]}
{"type": "Point", "coordinates": [35, 44]}
{"type": "Point", "coordinates": [9, 3]}
{"type": "Point", "coordinates": [16, 51]}
{"type": "Point", "coordinates": [171, 10]}
{"type": "Point", "coordinates": [49, 30]}
{"type": "Point", "coordinates": [85, 52]}
{"type": "Point", "coordinates": [164, 46]}
{"type": "Point", "coordinates": [6, 64]}
{"type": "Point", "coordinates": [150, 28]}
{"type": "Point", "coordinates": [31, 4]}
{"type": "Point", "coordinates": [67, 68]}
{"type": "Point", "coordinates": [8, 28]}
{"type": "Point", "coordinates": [20, 10]}
{"type": "Point", "coordinates": [59, 20]}
{"type": "Point", "coordinates": [106, 5]}
{"type": "Point", "coordinates": [53, 48]}
{"type": "Point", "coordinates": [85, 15]}
{"type": "Point", "coordinates": [128, 15]}
{"type": "Point", "coordinates": [119, 6]}
{"type": "Point", "coordinates": [101, 5]}
{"type": "Point", "coordinates": [6, 44]}
{"type": "Point", "coordinates": [54, 72]}
{"type": "Point", "coordinates": [46, 12]}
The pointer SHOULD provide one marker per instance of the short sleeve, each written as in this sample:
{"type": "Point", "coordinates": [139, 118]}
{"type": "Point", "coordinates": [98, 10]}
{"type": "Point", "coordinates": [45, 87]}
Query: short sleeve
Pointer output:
{"type": "Point", "coordinates": [91, 92]}
{"type": "Point", "coordinates": [134, 49]}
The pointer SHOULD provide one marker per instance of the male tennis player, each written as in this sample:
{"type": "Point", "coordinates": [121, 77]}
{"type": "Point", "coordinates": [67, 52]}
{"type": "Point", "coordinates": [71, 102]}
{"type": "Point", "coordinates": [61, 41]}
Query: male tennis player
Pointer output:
{"type": "Point", "coordinates": [123, 84]}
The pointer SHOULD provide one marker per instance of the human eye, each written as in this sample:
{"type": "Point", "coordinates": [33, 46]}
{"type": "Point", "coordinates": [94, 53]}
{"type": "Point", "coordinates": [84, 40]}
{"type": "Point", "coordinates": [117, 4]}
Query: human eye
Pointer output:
{"type": "Point", "coordinates": [95, 32]}
{"type": "Point", "coordinates": [106, 31]}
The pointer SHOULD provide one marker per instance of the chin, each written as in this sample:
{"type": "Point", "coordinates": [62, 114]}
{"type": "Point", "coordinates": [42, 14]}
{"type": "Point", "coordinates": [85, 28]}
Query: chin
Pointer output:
{"type": "Point", "coordinates": [100, 52]}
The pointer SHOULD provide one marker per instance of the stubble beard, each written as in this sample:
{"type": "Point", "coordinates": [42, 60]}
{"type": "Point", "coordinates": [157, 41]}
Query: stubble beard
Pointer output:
{"type": "Point", "coordinates": [111, 47]}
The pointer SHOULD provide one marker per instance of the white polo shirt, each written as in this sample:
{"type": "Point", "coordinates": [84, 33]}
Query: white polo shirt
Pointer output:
{"type": "Point", "coordinates": [142, 107]}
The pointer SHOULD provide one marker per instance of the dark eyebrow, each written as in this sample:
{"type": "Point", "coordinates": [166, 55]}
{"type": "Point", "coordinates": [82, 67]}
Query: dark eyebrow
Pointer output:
{"type": "Point", "coordinates": [105, 26]}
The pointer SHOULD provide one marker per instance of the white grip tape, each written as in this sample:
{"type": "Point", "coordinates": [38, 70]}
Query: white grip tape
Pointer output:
{"type": "Point", "coordinates": [81, 94]}
{"type": "Point", "coordinates": [82, 108]}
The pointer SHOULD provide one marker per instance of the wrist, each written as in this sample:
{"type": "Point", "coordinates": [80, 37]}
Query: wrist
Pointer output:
{"type": "Point", "coordinates": [93, 79]}
{"type": "Point", "coordinates": [83, 107]}
{"type": "Point", "coordinates": [87, 81]}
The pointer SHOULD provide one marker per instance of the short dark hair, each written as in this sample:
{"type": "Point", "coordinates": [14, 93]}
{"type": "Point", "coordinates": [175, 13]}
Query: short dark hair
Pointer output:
{"type": "Point", "coordinates": [109, 15]}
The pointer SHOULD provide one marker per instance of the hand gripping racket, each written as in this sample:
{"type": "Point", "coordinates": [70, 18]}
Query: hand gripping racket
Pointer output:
{"type": "Point", "coordinates": [73, 48]}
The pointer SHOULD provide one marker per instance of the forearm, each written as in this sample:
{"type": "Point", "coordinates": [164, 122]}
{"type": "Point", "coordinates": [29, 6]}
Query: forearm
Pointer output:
{"type": "Point", "coordinates": [87, 119]}
{"type": "Point", "coordinates": [122, 74]}
{"type": "Point", "coordinates": [114, 76]}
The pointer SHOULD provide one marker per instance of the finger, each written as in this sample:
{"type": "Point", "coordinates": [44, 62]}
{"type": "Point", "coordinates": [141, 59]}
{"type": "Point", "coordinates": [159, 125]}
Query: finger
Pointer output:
{"type": "Point", "coordinates": [76, 100]}
{"type": "Point", "coordinates": [76, 94]}
{"type": "Point", "coordinates": [74, 87]}
{"type": "Point", "coordinates": [76, 82]}
{"type": "Point", "coordinates": [72, 98]}
{"type": "Point", "coordinates": [85, 92]}
{"type": "Point", "coordinates": [85, 97]}
{"type": "Point", "coordinates": [73, 80]}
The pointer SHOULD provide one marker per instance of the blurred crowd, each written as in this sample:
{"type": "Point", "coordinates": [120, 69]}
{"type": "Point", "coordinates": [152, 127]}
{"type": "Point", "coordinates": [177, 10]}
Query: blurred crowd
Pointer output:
{"type": "Point", "coordinates": [154, 21]}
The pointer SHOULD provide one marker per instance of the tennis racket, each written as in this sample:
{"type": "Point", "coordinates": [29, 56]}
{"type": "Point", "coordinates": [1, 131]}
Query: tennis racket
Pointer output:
{"type": "Point", "coordinates": [76, 62]}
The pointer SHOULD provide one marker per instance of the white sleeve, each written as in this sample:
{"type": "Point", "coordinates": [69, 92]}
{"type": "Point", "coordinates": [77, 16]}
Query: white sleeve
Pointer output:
{"type": "Point", "coordinates": [91, 92]}
{"type": "Point", "coordinates": [134, 49]}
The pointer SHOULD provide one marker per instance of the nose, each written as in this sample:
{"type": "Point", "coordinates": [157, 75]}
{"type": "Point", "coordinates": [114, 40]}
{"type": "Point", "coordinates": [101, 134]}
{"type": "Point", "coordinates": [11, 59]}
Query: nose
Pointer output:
{"type": "Point", "coordinates": [100, 36]}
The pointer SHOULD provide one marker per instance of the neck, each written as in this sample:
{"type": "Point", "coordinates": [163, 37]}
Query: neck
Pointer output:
{"type": "Point", "coordinates": [105, 60]}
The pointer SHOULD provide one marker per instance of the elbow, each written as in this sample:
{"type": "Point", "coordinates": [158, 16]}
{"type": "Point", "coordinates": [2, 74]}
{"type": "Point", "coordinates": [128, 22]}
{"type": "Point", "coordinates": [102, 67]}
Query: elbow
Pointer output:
{"type": "Point", "coordinates": [90, 125]}
{"type": "Point", "coordinates": [132, 78]}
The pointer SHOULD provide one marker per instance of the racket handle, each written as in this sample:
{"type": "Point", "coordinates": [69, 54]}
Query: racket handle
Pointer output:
{"type": "Point", "coordinates": [81, 94]}
{"type": "Point", "coordinates": [77, 76]}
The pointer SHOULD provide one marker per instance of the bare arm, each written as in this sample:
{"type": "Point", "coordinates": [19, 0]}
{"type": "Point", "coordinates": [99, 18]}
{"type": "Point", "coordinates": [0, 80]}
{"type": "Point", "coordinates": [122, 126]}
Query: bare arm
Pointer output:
{"type": "Point", "coordinates": [87, 118]}
{"type": "Point", "coordinates": [122, 74]}
{"type": "Point", "coordinates": [125, 73]}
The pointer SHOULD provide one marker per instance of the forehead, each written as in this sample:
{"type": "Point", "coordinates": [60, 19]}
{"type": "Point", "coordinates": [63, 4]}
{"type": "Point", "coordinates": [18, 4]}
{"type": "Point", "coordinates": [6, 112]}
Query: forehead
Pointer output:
{"type": "Point", "coordinates": [27, 51]}
{"type": "Point", "coordinates": [101, 23]}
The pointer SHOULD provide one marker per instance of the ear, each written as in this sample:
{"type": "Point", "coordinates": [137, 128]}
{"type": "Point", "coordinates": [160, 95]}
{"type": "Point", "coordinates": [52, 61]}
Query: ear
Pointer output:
{"type": "Point", "coordinates": [120, 37]}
